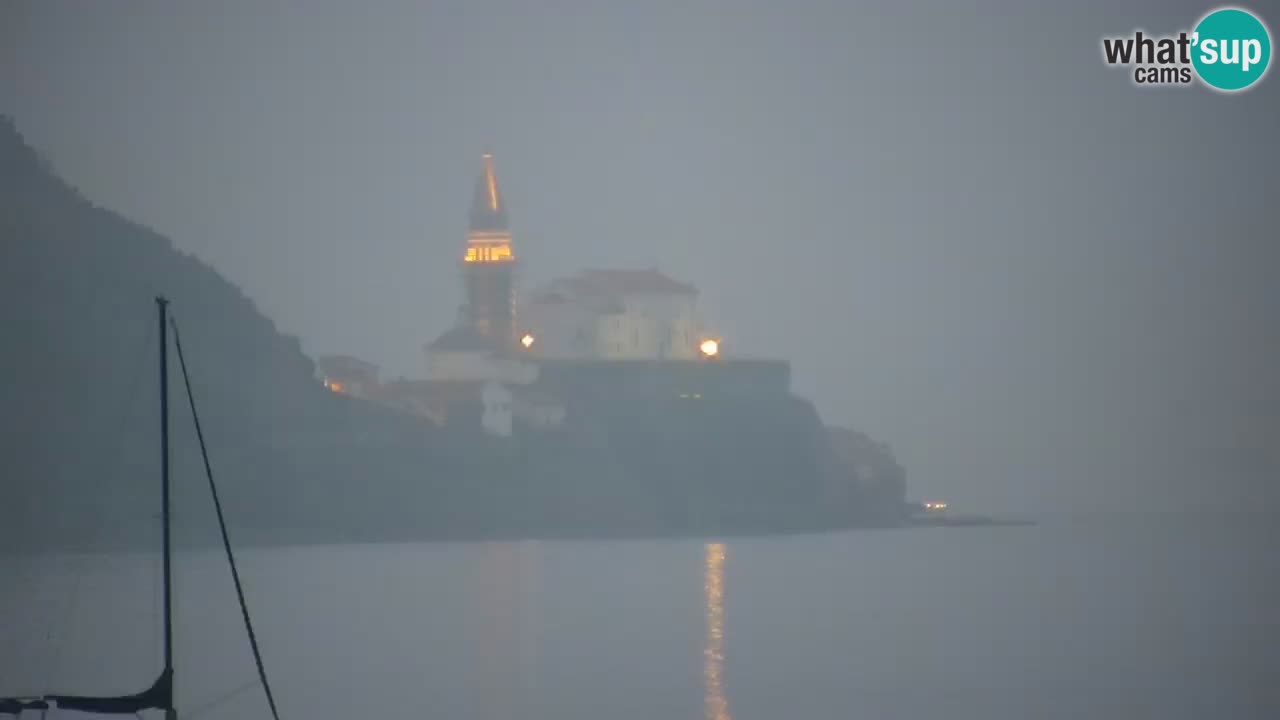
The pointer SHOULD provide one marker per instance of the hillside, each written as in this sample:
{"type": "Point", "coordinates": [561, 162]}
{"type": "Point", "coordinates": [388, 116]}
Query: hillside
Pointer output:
{"type": "Point", "coordinates": [76, 287]}
{"type": "Point", "coordinates": [79, 457]}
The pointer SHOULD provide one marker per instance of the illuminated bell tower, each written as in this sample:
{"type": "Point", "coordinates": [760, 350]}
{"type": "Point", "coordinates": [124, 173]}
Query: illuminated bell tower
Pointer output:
{"type": "Point", "coordinates": [489, 264]}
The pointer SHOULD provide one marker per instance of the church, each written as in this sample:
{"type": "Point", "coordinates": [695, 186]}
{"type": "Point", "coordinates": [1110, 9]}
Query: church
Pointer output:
{"type": "Point", "coordinates": [595, 314]}
{"type": "Point", "coordinates": [487, 370]}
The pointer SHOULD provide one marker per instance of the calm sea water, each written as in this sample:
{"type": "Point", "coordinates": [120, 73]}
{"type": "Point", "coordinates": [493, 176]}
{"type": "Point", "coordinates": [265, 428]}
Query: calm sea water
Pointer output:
{"type": "Point", "coordinates": [1102, 617]}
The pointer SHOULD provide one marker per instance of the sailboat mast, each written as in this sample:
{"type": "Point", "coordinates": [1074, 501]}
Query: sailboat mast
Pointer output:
{"type": "Point", "coordinates": [162, 306]}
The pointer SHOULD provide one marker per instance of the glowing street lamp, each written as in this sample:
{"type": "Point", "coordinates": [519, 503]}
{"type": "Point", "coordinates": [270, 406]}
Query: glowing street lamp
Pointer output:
{"type": "Point", "coordinates": [527, 340]}
{"type": "Point", "coordinates": [709, 348]}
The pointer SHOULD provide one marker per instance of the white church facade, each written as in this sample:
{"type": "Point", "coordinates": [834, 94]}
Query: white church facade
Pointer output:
{"type": "Point", "coordinates": [485, 370]}
{"type": "Point", "coordinates": [614, 315]}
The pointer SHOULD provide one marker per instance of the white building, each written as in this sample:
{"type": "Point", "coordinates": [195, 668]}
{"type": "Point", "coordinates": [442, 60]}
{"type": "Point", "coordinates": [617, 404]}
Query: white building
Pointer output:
{"type": "Point", "coordinates": [483, 405]}
{"type": "Point", "coordinates": [464, 355]}
{"type": "Point", "coordinates": [495, 416]}
{"type": "Point", "coordinates": [533, 408]}
{"type": "Point", "coordinates": [347, 375]}
{"type": "Point", "coordinates": [613, 314]}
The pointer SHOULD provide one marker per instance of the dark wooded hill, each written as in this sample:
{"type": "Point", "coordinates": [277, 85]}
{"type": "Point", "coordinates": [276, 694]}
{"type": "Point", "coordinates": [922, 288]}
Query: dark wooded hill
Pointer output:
{"type": "Point", "coordinates": [79, 458]}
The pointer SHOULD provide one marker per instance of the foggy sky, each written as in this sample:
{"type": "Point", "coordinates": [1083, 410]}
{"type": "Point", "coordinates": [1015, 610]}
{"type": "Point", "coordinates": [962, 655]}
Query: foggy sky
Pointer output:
{"type": "Point", "coordinates": [1043, 286]}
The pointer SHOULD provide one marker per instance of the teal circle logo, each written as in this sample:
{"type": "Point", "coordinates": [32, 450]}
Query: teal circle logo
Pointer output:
{"type": "Point", "coordinates": [1231, 49]}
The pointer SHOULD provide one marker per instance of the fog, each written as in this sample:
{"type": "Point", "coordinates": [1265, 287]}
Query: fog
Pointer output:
{"type": "Point", "coordinates": [1045, 287]}
{"type": "Point", "coordinates": [1066, 620]}
{"type": "Point", "coordinates": [1050, 291]}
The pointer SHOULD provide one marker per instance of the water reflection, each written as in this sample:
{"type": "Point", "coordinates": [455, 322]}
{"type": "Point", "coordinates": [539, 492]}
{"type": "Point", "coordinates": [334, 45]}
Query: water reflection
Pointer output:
{"type": "Point", "coordinates": [492, 631]}
{"type": "Point", "coordinates": [717, 706]}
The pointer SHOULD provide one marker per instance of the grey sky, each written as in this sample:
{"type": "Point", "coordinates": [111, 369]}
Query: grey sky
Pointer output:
{"type": "Point", "coordinates": [1042, 285]}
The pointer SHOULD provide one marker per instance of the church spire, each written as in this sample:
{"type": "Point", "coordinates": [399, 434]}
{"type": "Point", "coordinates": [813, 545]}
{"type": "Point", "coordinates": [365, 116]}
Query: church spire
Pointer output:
{"type": "Point", "coordinates": [490, 303]}
{"type": "Point", "coordinates": [488, 213]}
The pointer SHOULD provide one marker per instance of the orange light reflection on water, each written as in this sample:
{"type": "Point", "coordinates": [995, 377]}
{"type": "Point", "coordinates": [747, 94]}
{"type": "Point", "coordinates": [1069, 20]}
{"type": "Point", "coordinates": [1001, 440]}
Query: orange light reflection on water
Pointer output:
{"type": "Point", "coordinates": [717, 705]}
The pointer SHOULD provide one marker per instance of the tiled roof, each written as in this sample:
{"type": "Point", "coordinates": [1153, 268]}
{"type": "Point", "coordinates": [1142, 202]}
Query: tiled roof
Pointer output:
{"type": "Point", "coordinates": [627, 282]}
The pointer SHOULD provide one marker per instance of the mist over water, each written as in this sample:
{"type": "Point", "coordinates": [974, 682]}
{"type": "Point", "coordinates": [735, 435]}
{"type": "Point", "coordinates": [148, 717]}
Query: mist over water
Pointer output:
{"type": "Point", "coordinates": [1029, 285]}
{"type": "Point", "coordinates": [1080, 617]}
{"type": "Point", "coordinates": [972, 238]}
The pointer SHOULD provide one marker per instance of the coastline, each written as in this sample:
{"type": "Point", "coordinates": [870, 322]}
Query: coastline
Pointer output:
{"type": "Point", "coordinates": [254, 538]}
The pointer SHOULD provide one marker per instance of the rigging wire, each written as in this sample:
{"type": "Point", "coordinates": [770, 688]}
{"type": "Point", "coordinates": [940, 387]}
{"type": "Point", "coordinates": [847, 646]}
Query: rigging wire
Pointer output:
{"type": "Point", "coordinates": [221, 700]}
{"type": "Point", "coordinates": [222, 525]}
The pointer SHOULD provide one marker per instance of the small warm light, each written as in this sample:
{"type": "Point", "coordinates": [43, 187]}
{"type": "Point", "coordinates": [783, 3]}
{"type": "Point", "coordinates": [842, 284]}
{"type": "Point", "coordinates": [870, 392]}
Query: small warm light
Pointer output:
{"type": "Point", "coordinates": [710, 347]}
{"type": "Point", "coordinates": [527, 340]}
{"type": "Point", "coordinates": [488, 254]}
{"type": "Point", "coordinates": [335, 386]}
